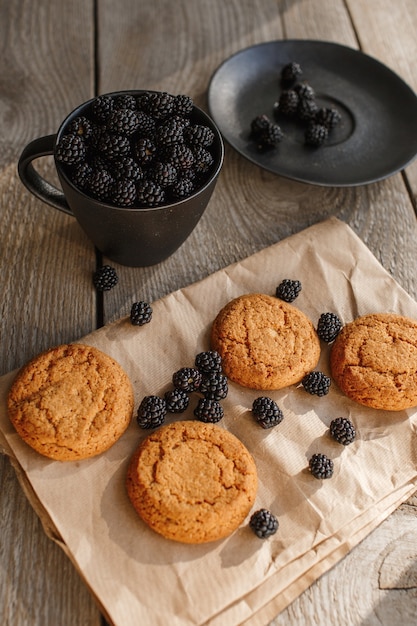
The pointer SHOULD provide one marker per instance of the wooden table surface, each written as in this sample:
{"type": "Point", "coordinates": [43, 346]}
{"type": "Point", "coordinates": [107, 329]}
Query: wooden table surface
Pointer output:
{"type": "Point", "coordinates": [55, 55]}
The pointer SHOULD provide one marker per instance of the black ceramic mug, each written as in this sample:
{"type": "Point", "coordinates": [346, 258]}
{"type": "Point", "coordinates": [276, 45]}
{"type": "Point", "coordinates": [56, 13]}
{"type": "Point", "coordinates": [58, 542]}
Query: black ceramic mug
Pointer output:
{"type": "Point", "coordinates": [130, 236]}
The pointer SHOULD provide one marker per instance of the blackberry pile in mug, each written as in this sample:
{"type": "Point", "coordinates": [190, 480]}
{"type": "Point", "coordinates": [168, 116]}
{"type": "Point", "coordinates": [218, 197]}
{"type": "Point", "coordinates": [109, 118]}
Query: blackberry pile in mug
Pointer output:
{"type": "Point", "coordinates": [137, 149]}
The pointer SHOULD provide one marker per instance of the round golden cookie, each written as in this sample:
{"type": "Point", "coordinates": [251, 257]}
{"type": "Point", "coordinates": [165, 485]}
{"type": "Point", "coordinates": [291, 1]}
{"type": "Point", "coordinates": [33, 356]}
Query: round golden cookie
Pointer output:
{"type": "Point", "coordinates": [192, 482]}
{"type": "Point", "coordinates": [374, 361]}
{"type": "Point", "coordinates": [264, 342]}
{"type": "Point", "coordinates": [71, 402]}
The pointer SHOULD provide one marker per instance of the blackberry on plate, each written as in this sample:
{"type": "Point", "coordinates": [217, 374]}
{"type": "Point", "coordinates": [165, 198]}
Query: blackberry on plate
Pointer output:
{"type": "Point", "coordinates": [291, 72]}
{"type": "Point", "coordinates": [305, 91]}
{"type": "Point", "coordinates": [321, 466]}
{"type": "Point", "coordinates": [187, 378]}
{"type": "Point", "coordinates": [288, 103]}
{"type": "Point", "coordinates": [208, 410]}
{"type": "Point", "coordinates": [306, 110]}
{"type": "Point", "coordinates": [270, 136]}
{"type": "Point", "coordinates": [329, 117]}
{"type": "Point", "coordinates": [288, 290]}
{"type": "Point", "coordinates": [176, 400]}
{"type": "Point", "coordinates": [258, 124]}
{"type": "Point", "coordinates": [316, 134]}
{"type": "Point", "coordinates": [342, 430]}
{"type": "Point", "coordinates": [70, 149]}
{"type": "Point", "coordinates": [208, 361]}
{"type": "Point", "coordinates": [316, 383]}
{"type": "Point", "coordinates": [151, 412]}
{"type": "Point", "coordinates": [140, 313]}
{"type": "Point", "coordinates": [214, 385]}
{"type": "Point", "coordinates": [266, 412]}
{"type": "Point", "coordinates": [263, 523]}
{"type": "Point", "coordinates": [105, 278]}
{"type": "Point", "coordinates": [328, 327]}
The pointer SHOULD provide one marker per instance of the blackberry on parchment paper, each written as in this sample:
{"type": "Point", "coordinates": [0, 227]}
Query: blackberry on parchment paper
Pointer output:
{"type": "Point", "coordinates": [177, 401]}
{"type": "Point", "coordinates": [321, 466]}
{"type": "Point", "coordinates": [288, 290]}
{"type": "Point", "coordinates": [316, 383]}
{"type": "Point", "coordinates": [328, 327]}
{"type": "Point", "coordinates": [208, 361]}
{"type": "Point", "coordinates": [188, 379]}
{"type": "Point", "coordinates": [342, 430]}
{"type": "Point", "coordinates": [140, 313]}
{"type": "Point", "coordinates": [208, 410]}
{"type": "Point", "coordinates": [151, 412]}
{"type": "Point", "coordinates": [263, 523]}
{"type": "Point", "coordinates": [266, 412]}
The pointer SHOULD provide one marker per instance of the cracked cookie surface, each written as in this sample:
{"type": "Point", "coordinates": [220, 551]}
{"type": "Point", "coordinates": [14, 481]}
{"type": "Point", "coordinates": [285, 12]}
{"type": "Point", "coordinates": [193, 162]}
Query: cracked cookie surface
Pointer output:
{"type": "Point", "coordinates": [265, 343]}
{"type": "Point", "coordinates": [192, 482]}
{"type": "Point", "coordinates": [374, 361]}
{"type": "Point", "coordinates": [71, 402]}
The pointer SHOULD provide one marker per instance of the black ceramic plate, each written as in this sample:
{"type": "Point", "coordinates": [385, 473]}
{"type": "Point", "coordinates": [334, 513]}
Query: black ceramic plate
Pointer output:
{"type": "Point", "coordinates": [377, 136]}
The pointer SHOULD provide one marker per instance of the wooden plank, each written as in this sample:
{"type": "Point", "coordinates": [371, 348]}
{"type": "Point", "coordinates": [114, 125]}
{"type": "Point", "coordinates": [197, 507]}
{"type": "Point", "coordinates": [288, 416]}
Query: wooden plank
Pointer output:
{"type": "Point", "coordinates": [46, 68]}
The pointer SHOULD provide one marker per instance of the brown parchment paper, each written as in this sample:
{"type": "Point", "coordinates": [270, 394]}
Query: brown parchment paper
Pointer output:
{"type": "Point", "coordinates": [137, 576]}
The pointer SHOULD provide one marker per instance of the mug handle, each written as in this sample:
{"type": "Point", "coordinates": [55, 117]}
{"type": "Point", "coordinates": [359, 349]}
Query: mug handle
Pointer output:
{"type": "Point", "coordinates": [44, 146]}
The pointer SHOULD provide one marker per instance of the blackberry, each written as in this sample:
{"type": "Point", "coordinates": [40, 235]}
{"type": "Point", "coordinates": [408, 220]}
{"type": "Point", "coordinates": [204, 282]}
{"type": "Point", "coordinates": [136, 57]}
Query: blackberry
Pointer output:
{"type": "Point", "coordinates": [328, 117]}
{"type": "Point", "coordinates": [81, 175]}
{"type": "Point", "coordinates": [316, 383]}
{"type": "Point", "coordinates": [266, 412]}
{"type": "Point", "coordinates": [159, 105]}
{"type": "Point", "coordinates": [126, 167]}
{"type": "Point", "coordinates": [101, 107]}
{"type": "Point", "coordinates": [208, 361]}
{"type": "Point", "coordinates": [182, 188]}
{"type": "Point", "coordinates": [180, 156]}
{"type": "Point", "coordinates": [145, 150]}
{"type": "Point", "coordinates": [259, 124]}
{"type": "Point", "coordinates": [70, 149]}
{"type": "Point", "coordinates": [288, 290]}
{"type": "Point", "coordinates": [105, 278]}
{"type": "Point", "coordinates": [170, 132]}
{"type": "Point", "coordinates": [270, 136]}
{"type": "Point", "coordinates": [288, 103]}
{"type": "Point", "coordinates": [146, 125]}
{"type": "Point", "coordinates": [100, 183]}
{"type": "Point", "coordinates": [291, 72]}
{"type": "Point", "coordinates": [183, 105]}
{"type": "Point", "coordinates": [263, 523]}
{"type": "Point", "coordinates": [80, 126]}
{"type": "Point", "coordinates": [163, 174]}
{"type": "Point", "coordinates": [125, 101]}
{"type": "Point", "coordinates": [321, 466]}
{"type": "Point", "coordinates": [342, 430]}
{"type": "Point", "coordinates": [328, 327]}
{"type": "Point", "coordinates": [306, 110]}
{"type": "Point", "coordinates": [112, 146]}
{"type": "Point", "coordinates": [187, 378]}
{"type": "Point", "coordinates": [140, 313]}
{"type": "Point", "coordinates": [199, 135]}
{"type": "Point", "coordinates": [177, 401]}
{"type": "Point", "coordinates": [123, 122]}
{"type": "Point", "coordinates": [305, 91]}
{"type": "Point", "coordinates": [123, 192]}
{"type": "Point", "coordinates": [150, 194]}
{"type": "Point", "coordinates": [208, 410]}
{"type": "Point", "coordinates": [202, 160]}
{"type": "Point", "coordinates": [214, 386]}
{"type": "Point", "coordinates": [151, 412]}
{"type": "Point", "coordinates": [316, 134]}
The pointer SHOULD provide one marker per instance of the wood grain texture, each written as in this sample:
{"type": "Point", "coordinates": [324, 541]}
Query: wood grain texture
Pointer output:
{"type": "Point", "coordinates": [48, 66]}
